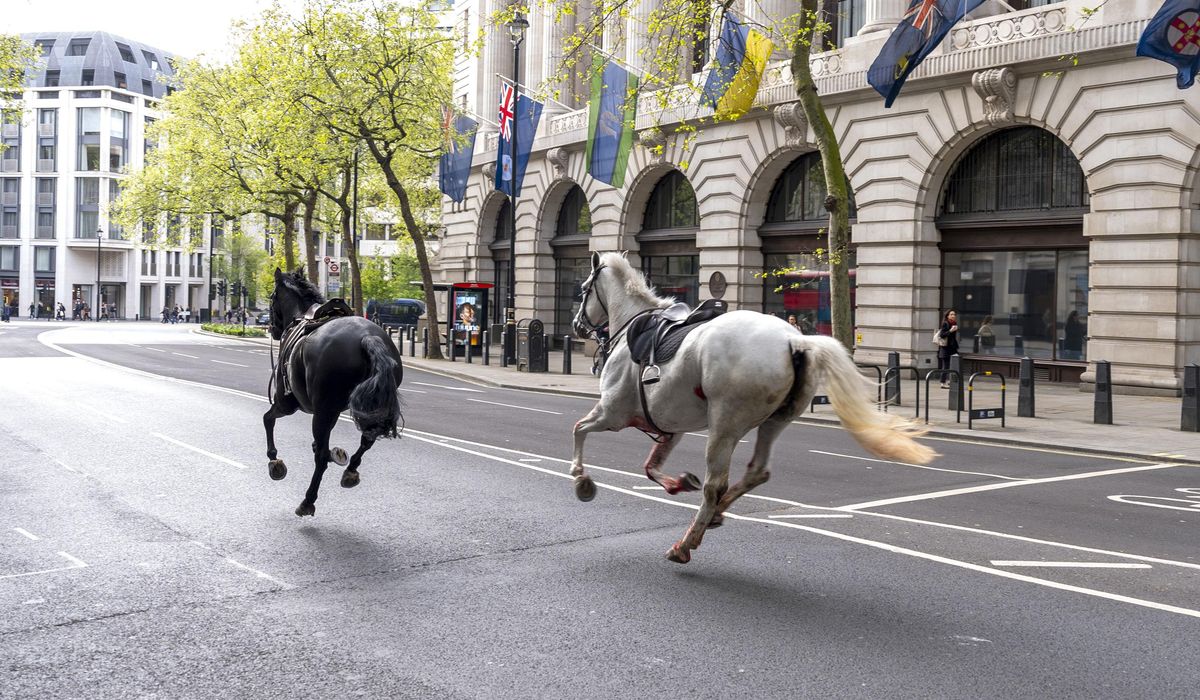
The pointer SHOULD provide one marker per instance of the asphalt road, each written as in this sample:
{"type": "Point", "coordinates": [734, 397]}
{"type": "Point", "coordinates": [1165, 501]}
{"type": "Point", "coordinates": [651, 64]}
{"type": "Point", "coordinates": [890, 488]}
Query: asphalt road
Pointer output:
{"type": "Point", "coordinates": [145, 552]}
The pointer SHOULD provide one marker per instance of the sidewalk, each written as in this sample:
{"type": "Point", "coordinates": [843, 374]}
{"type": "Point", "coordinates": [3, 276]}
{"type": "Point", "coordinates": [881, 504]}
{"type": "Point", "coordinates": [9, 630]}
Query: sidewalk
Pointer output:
{"type": "Point", "coordinates": [1143, 426]}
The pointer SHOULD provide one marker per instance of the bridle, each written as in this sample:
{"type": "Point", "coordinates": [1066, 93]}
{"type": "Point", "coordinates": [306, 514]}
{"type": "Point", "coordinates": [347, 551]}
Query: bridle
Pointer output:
{"type": "Point", "coordinates": [598, 330]}
{"type": "Point", "coordinates": [588, 324]}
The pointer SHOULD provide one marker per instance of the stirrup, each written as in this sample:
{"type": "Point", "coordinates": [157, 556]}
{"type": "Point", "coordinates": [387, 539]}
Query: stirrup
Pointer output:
{"type": "Point", "coordinates": [651, 375]}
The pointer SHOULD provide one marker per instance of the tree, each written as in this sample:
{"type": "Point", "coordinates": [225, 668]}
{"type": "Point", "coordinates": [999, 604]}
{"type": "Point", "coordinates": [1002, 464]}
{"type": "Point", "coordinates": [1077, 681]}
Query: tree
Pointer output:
{"type": "Point", "coordinates": [676, 34]}
{"type": "Point", "coordinates": [17, 58]}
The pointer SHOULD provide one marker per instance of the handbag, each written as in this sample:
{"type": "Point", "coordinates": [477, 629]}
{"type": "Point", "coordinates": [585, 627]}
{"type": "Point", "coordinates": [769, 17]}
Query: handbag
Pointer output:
{"type": "Point", "coordinates": [938, 339]}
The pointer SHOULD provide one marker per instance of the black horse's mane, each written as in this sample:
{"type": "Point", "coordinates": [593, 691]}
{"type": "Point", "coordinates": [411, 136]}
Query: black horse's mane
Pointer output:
{"type": "Point", "coordinates": [307, 291]}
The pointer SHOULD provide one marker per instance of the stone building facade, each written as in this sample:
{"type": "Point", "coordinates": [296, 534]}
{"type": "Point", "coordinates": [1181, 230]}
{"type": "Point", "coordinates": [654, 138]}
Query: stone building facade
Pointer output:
{"type": "Point", "coordinates": [1033, 174]}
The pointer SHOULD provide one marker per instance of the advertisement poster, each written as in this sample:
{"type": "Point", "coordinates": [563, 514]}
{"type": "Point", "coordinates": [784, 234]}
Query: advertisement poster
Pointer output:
{"type": "Point", "coordinates": [467, 316]}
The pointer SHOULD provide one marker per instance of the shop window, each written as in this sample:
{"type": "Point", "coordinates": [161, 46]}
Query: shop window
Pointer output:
{"type": "Point", "coordinates": [1015, 170]}
{"type": "Point", "coordinates": [797, 284]}
{"type": "Point", "coordinates": [674, 276]}
{"type": "Point", "coordinates": [799, 193]}
{"type": "Point", "coordinates": [672, 204]}
{"type": "Point", "coordinates": [574, 216]}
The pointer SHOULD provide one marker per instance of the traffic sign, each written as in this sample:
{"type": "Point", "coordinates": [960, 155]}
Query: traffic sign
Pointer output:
{"type": "Point", "coordinates": [334, 268]}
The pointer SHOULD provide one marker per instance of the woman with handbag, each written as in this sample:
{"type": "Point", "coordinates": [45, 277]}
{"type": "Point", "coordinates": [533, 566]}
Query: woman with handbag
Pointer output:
{"type": "Point", "coordinates": [947, 342]}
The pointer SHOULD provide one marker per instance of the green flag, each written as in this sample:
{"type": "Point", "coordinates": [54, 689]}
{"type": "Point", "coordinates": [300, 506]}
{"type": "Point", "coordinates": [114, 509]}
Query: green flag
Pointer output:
{"type": "Point", "coordinates": [610, 121]}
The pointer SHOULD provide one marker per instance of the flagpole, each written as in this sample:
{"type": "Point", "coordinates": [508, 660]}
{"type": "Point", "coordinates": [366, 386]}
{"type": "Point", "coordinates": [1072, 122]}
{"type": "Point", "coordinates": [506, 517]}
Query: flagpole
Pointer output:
{"type": "Point", "coordinates": [628, 67]}
{"type": "Point", "coordinates": [526, 87]}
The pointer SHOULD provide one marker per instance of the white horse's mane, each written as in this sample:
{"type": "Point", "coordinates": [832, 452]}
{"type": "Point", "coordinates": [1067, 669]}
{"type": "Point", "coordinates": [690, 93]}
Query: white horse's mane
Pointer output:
{"type": "Point", "coordinates": [633, 280]}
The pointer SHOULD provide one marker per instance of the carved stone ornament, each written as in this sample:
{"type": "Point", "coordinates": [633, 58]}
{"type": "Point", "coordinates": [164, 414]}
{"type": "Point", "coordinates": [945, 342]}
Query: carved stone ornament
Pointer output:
{"type": "Point", "coordinates": [489, 172]}
{"type": "Point", "coordinates": [559, 158]}
{"type": "Point", "coordinates": [795, 124]}
{"type": "Point", "coordinates": [998, 88]}
{"type": "Point", "coordinates": [655, 143]}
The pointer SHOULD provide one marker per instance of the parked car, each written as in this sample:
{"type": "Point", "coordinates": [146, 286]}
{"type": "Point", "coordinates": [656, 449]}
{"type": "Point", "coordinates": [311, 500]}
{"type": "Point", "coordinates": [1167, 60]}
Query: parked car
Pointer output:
{"type": "Point", "coordinates": [395, 312]}
{"type": "Point", "coordinates": [263, 319]}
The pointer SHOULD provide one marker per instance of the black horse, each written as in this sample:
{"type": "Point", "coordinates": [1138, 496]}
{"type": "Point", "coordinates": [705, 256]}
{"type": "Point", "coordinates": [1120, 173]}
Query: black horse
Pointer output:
{"type": "Point", "coordinates": [329, 362]}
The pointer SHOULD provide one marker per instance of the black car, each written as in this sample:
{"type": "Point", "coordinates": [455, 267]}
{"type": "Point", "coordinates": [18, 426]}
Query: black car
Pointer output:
{"type": "Point", "coordinates": [263, 319]}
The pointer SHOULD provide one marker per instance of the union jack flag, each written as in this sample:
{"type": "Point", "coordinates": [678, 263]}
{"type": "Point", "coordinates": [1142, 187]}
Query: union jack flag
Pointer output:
{"type": "Point", "coordinates": [922, 14]}
{"type": "Point", "coordinates": [508, 96]}
{"type": "Point", "coordinates": [448, 128]}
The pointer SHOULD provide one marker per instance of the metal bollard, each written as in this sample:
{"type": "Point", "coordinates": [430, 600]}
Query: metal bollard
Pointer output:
{"type": "Point", "coordinates": [487, 346]}
{"type": "Point", "coordinates": [425, 342]}
{"type": "Point", "coordinates": [546, 355]}
{"type": "Point", "coordinates": [1025, 403]}
{"type": "Point", "coordinates": [954, 401]}
{"type": "Point", "coordinates": [470, 350]}
{"type": "Point", "coordinates": [450, 345]}
{"type": "Point", "coordinates": [1190, 418]}
{"type": "Point", "coordinates": [891, 393]}
{"type": "Point", "coordinates": [1018, 345]}
{"type": "Point", "coordinates": [503, 345]}
{"type": "Point", "coordinates": [1102, 409]}
{"type": "Point", "coordinates": [566, 354]}
{"type": "Point", "coordinates": [412, 342]}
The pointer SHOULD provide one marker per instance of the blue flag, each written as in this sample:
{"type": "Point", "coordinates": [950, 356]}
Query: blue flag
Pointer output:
{"type": "Point", "coordinates": [1173, 35]}
{"type": "Point", "coordinates": [611, 115]}
{"type": "Point", "coordinates": [455, 165]}
{"type": "Point", "coordinates": [525, 116]}
{"type": "Point", "coordinates": [920, 31]}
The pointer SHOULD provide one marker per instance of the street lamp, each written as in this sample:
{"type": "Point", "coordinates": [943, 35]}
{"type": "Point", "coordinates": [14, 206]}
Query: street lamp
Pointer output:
{"type": "Point", "coordinates": [96, 308]}
{"type": "Point", "coordinates": [516, 34]}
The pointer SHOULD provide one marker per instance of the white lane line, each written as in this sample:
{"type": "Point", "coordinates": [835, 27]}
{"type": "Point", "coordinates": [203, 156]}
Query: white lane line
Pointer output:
{"type": "Point", "coordinates": [27, 533]}
{"type": "Point", "coordinates": [185, 355]}
{"type": "Point", "coordinates": [509, 405]}
{"type": "Point", "coordinates": [884, 546]}
{"type": "Point", "coordinates": [1073, 564]}
{"type": "Point", "coordinates": [644, 488]}
{"type": "Point", "coordinates": [1004, 485]}
{"type": "Point", "coordinates": [64, 465]}
{"type": "Point", "coordinates": [150, 349]}
{"type": "Point", "coordinates": [197, 450]}
{"type": "Point", "coordinates": [530, 459]}
{"type": "Point", "coordinates": [258, 573]}
{"type": "Point", "coordinates": [413, 391]}
{"type": "Point", "coordinates": [450, 388]}
{"type": "Point", "coordinates": [223, 362]}
{"type": "Point", "coordinates": [917, 466]}
{"type": "Point", "coordinates": [705, 436]}
{"type": "Point", "coordinates": [75, 564]}
{"type": "Point", "coordinates": [811, 515]}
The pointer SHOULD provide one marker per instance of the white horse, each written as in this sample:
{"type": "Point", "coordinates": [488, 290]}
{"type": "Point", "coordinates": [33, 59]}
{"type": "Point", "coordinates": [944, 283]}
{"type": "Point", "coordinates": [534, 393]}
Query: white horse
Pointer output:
{"type": "Point", "coordinates": [740, 371]}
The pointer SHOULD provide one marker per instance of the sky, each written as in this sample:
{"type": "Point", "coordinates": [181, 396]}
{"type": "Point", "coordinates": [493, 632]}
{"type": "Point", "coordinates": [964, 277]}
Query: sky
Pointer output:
{"type": "Point", "coordinates": [183, 28]}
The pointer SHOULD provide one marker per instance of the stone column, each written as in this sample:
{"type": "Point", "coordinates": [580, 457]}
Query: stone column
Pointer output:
{"type": "Point", "coordinates": [496, 59]}
{"type": "Point", "coordinates": [551, 70]}
{"type": "Point", "coordinates": [882, 15]}
{"type": "Point", "coordinates": [774, 17]}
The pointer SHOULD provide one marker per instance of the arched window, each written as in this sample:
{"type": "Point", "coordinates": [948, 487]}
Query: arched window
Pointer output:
{"type": "Point", "coordinates": [672, 204]}
{"type": "Point", "coordinates": [799, 193]}
{"type": "Point", "coordinates": [501, 259]}
{"type": "Point", "coordinates": [574, 217]}
{"type": "Point", "coordinates": [1021, 169]}
{"type": "Point", "coordinates": [504, 221]}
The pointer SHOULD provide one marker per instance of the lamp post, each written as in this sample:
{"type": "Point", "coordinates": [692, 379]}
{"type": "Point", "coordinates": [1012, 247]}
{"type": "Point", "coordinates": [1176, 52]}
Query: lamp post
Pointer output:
{"type": "Point", "coordinates": [96, 308]}
{"type": "Point", "coordinates": [352, 255]}
{"type": "Point", "coordinates": [516, 34]}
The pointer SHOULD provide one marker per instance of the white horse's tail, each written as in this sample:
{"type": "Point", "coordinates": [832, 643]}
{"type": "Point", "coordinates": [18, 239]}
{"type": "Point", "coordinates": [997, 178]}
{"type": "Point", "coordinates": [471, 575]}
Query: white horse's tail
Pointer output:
{"type": "Point", "coordinates": [886, 436]}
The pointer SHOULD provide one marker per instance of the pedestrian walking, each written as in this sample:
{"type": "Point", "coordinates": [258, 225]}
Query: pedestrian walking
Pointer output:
{"type": "Point", "coordinates": [33, 310]}
{"type": "Point", "coordinates": [62, 312]}
{"type": "Point", "coordinates": [946, 338]}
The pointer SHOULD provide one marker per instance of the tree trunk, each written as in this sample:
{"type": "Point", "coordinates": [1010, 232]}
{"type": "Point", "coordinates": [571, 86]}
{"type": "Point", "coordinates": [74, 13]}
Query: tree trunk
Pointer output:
{"type": "Point", "coordinates": [347, 219]}
{"type": "Point", "coordinates": [289, 235]}
{"type": "Point", "coordinates": [433, 349]}
{"type": "Point", "coordinates": [310, 244]}
{"type": "Point", "coordinates": [838, 201]}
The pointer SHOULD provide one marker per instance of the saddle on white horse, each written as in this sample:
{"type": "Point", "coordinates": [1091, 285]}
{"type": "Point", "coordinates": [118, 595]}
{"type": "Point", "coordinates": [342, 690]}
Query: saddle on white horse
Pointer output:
{"type": "Point", "coordinates": [655, 337]}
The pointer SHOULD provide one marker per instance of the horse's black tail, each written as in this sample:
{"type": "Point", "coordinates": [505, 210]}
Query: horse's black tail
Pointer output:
{"type": "Point", "coordinates": [374, 403]}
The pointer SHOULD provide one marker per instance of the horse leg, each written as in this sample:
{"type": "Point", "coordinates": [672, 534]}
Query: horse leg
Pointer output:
{"type": "Point", "coordinates": [585, 489]}
{"type": "Point", "coordinates": [322, 426]}
{"type": "Point", "coordinates": [756, 470]}
{"type": "Point", "coordinates": [283, 406]}
{"type": "Point", "coordinates": [716, 480]}
{"type": "Point", "coordinates": [350, 476]}
{"type": "Point", "coordinates": [671, 484]}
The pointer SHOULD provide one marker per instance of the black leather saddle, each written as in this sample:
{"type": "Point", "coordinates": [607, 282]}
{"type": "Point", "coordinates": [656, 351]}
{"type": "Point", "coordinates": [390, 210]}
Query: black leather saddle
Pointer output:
{"type": "Point", "coordinates": [302, 327]}
{"type": "Point", "coordinates": [655, 337]}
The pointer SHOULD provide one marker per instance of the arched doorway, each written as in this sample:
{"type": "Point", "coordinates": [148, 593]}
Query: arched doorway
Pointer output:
{"type": "Point", "coordinates": [1014, 259]}
{"type": "Point", "coordinates": [796, 277]}
{"type": "Point", "coordinates": [572, 261]}
{"type": "Point", "coordinates": [667, 240]}
{"type": "Point", "coordinates": [501, 260]}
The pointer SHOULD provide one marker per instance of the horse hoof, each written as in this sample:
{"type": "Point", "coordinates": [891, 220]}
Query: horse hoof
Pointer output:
{"type": "Point", "coordinates": [277, 469]}
{"type": "Point", "coordinates": [339, 457]}
{"type": "Point", "coordinates": [679, 556]}
{"type": "Point", "coordinates": [717, 521]}
{"type": "Point", "coordinates": [349, 479]}
{"type": "Point", "coordinates": [585, 488]}
{"type": "Point", "coordinates": [306, 509]}
{"type": "Point", "coordinates": [689, 482]}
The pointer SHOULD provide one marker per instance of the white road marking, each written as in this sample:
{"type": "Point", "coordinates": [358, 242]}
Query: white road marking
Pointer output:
{"type": "Point", "coordinates": [705, 436]}
{"type": "Point", "coordinates": [197, 450]}
{"type": "Point", "coordinates": [27, 534]}
{"type": "Point", "coordinates": [63, 464]}
{"type": "Point", "coordinates": [917, 466]}
{"type": "Point", "coordinates": [450, 388]}
{"type": "Point", "coordinates": [413, 391]}
{"type": "Point", "coordinates": [1004, 485]}
{"type": "Point", "coordinates": [1073, 564]}
{"type": "Point", "coordinates": [509, 405]}
{"type": "Point", "coordinates": [75, 564]}
{"type": "Point", "coordinates": [185, 355]}
{"type": "Point", "coordinates": [223, 362]}
{"type": "Point", "coordinates": [150, 349]}
{"type": "Point", "coordinates": [811, 515]}
{"type": "Point", "coordinates": [884, 546]}
{"type": "Point", "coordinates": [1191, 504]}
{"type": "Point", "coordinates": [530, 459]}
{"type": "Point", "coordinates": [258, 573]}
{"type": "Point", "coordinates": [646, 488]}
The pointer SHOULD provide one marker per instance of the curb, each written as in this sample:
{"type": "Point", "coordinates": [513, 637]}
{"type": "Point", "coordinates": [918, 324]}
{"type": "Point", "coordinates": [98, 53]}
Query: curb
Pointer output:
{"type": "Point", "coordinates": [223, 336]}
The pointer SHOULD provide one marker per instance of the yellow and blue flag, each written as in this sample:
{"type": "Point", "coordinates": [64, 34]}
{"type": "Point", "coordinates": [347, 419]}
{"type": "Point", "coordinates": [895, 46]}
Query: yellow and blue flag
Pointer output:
{"type": "Point", "coordinates": [920, 31]}
{"type": "Point", "coordinates": [610, 121]}
{"type": "Point", "coordinates": [1173, 35]}
{"type": "Point", "coordinates": [742, 55]}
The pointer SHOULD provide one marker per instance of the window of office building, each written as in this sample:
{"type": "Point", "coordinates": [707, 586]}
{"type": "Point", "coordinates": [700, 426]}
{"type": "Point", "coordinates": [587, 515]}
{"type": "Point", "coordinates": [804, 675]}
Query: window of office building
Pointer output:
{"type": "Point", "coordinates": [10, 132]}
{"type": "Point", "coordinates": [118, 140]}
{"type": "Point", "coordinates": [114, 227]}
{"type": "Point", "coordinates": [78, 47]}
{"type": "Point", "coordinates": [120, 80]}
{"type": "Point", "coordinates": [126, 53]}
{"type": "Point", "coordinates": [10, 258]}
{"type": "Point", "coordinates": [10, 207]}
{"type": "Point", "coordinates": [151, 59]}
{"type": "Point", "coordinates": [1015, 262]}
{"type": "Point", "coordinates": [88, 77]}
{"type": "Point", "coordinates": [44, 46]}
{"type": "Point", "coordinates": [572, 259]}
{"type": "Point", "coordinates": [87, 219]}
{"type": "Point", "coordinates": [89, 138]}
{"type": "Point", "coordinates": [43, 259]}
{"type": "Point", "coordinates": [46, 195]}
{"type": "Point", "coordinates": [51, 79]}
